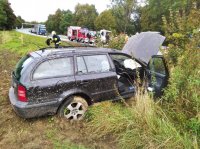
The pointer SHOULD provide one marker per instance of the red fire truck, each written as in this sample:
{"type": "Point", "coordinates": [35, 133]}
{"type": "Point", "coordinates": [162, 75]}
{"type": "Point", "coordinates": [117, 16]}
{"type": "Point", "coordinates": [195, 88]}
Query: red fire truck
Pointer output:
{"type": "Point", "coordinates": [79, 34]}
{"type": "Point", "coordinates": [75, 33]}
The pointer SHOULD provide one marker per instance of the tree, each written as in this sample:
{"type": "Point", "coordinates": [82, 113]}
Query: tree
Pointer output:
{"type": "Point", "coordinates": [66, 21]}
{"type": "Point", "coordinates": [105, 20]}
{"type": "Point", "coordinates": [85, 15]}
{"type": "Point", "coordinates": [7, 17]}
{"type": "Point", "coordinates": [50, 23]}
{"type": "Point", "coordinates": [3, 18]}
{"type": "Point", "coordinates": [151, 14]}
{"type": "Point", "coordinates": [53, 22]}
{"type": "Point", "coordinates": [19, 21]}
{"type": "Point", "coordinates": [147, 22]}
{"type": "Point", "coordinates": [123, 10]}
{"type": "Point", "coordinates": [179, 30]}
{"type": "Point", "coordinates": [59, 21]}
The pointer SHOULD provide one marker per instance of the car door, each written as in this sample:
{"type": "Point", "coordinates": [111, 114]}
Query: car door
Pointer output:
{"type": "Point", "coordinates": [50, 78]}
{"type": "Point", "coordinates": [95, 76]}
{"type": "Point", "coordinates": [157, 74]}
{"type": "Point", "coordinates": [128, 70]}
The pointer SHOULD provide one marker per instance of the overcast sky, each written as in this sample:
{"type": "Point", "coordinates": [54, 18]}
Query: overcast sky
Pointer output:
{"type": "Point", "coordinates": [38, 10]}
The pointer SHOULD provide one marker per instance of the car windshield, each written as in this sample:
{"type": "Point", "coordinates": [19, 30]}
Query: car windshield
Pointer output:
{"type": "Point", "coordinates": [125, 61]}
{"type": "Point", "coordinates": [43, 28]}
{"type": "Point", "coordinates": [22, 65]}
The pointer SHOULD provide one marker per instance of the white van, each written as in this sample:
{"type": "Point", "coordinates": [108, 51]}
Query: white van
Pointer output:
{"type": "Point", "coordinates": [103, 35]}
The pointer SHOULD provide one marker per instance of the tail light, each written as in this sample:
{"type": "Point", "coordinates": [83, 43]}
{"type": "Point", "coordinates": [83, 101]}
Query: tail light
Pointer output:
{"type": "Point", "coordinates": [22, 93]}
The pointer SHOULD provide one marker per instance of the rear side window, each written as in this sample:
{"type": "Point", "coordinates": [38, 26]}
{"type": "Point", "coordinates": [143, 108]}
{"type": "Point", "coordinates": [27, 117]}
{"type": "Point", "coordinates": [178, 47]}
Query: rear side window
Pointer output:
{"type": "Point", "coordinates": [97, 63]}
{"type": "Point", "coordinates": [54, 68]}
{"type": "Point", "coordinates": [81, 65]}
{"type": "Point", "coordinates": [23, 63]}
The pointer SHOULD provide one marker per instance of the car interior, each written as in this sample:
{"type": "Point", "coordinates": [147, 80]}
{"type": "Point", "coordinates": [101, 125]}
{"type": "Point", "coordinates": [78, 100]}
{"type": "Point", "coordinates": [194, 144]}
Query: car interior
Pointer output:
{"type": "Point", "coordinates": [128, 70]}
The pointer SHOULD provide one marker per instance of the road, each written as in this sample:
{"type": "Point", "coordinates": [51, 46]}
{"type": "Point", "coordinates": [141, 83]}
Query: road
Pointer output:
{"type": "Point", "coordinates": [26, 31]}
{"type": "Point", "coordinates": [62, 37]}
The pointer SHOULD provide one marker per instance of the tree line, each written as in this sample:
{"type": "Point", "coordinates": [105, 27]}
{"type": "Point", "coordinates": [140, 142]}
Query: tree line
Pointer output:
{"type": "Point", "coordinates": [8, 20]}
{"type": "Point", "coordinates": [122, 16]}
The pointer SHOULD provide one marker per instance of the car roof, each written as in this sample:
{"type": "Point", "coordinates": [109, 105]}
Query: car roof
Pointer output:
{"type": "Point", "coordinates": [48, 52]}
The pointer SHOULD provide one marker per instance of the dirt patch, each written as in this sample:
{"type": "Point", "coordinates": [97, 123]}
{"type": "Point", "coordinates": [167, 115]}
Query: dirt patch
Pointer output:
{"type": "Point", "coordinates": [45, 132]}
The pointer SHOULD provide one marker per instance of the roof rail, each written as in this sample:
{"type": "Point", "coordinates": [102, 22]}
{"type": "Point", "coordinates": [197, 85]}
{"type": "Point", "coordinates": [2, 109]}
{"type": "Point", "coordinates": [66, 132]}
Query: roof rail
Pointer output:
{"type": "Point", "coordinates": [43, 49]}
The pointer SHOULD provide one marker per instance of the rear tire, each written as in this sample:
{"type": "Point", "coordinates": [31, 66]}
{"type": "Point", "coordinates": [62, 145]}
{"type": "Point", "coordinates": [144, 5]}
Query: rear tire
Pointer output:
{"type": "Point", "coordinates": [74, 108]}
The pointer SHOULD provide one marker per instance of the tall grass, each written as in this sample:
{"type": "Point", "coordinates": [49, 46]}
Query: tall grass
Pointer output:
{"type": "Point", "coordinates": [142, 124]}
{"type": "Point", "coordinates": [182, 97]}
{"type": "Point", "coordinates": [5, 37]}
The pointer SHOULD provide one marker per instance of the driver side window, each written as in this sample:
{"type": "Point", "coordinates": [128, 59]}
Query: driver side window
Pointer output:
{"type": "Point", "coordinates": [157, 65]}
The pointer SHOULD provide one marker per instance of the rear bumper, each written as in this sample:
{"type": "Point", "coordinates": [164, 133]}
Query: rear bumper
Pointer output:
{"type": "Point", "coordinates": [29, 110]}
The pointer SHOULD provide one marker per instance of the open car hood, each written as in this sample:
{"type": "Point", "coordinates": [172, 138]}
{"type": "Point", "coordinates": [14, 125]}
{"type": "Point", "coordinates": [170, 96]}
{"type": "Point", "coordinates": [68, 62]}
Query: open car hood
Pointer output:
{"type": "Point", "coordinates": [144, 45]}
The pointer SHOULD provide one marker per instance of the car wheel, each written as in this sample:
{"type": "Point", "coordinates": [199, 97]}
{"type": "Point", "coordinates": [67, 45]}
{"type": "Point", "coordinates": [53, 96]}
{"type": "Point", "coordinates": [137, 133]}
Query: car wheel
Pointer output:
{"type": "Point", "coordinates": [74, 108]}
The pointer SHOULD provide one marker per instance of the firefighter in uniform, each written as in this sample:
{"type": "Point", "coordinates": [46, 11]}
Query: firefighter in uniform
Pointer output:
{"type": "Point", "coordinates": [55, 39]}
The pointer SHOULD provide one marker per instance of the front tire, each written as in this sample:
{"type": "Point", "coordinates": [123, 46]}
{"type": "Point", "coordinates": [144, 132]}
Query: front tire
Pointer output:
{"type": "Point", "coordinates": [74, 108]}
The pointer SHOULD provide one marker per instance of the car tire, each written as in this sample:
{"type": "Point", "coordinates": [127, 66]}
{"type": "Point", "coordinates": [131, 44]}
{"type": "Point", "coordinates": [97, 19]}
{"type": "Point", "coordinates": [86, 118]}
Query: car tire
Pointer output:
{"type": "Point", "coordinates": [74, 108]}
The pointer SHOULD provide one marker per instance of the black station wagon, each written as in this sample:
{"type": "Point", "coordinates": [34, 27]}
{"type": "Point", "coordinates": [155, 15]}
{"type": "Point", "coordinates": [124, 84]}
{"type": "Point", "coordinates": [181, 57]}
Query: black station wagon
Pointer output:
{"type": "Point", "coordinates": [66, 81]}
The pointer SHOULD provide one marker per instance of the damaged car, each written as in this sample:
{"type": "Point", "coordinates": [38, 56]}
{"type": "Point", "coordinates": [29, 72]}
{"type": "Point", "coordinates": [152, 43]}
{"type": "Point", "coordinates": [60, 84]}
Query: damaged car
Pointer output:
{"type": "Point", "coordinates": [66, 81]}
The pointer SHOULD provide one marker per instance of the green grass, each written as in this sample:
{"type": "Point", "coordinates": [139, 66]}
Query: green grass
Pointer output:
{"type": "Point", "coordinates": [140, 123]}
{"type": "Point", "coordinates": [15, 131]}
{"type": "Point", "coordinates": [22, 43]}
{"type": "Point", "coordinates": [59, 142]}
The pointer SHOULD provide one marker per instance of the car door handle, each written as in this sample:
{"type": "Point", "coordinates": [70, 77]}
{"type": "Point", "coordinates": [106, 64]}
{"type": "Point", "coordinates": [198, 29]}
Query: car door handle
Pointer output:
{"type": "Point", "coordinates": [84, 82]}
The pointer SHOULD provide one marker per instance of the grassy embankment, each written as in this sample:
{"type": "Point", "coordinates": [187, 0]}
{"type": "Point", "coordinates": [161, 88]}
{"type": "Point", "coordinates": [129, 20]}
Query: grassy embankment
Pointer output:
{"type": "Point", "coordinates": [15, 132]}
{"type": "Point", "coordinates": [142, 123]}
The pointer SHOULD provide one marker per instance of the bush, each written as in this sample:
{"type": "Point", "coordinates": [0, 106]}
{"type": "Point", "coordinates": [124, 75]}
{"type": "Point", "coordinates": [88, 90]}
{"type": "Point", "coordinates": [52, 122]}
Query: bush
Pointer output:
{"type": "Point", "coordinates": [194, 126]}
{"type": "Point", "coordinates": [182, 96]}
{"type": "Point", "coordinates": [118, 42]}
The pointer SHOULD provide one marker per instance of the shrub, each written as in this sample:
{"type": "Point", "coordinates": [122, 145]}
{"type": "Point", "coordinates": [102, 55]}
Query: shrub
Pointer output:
{"type": "Point", "coordinates": [182, 96]}
{"type": "Point", "coordinates": [117, 42]}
